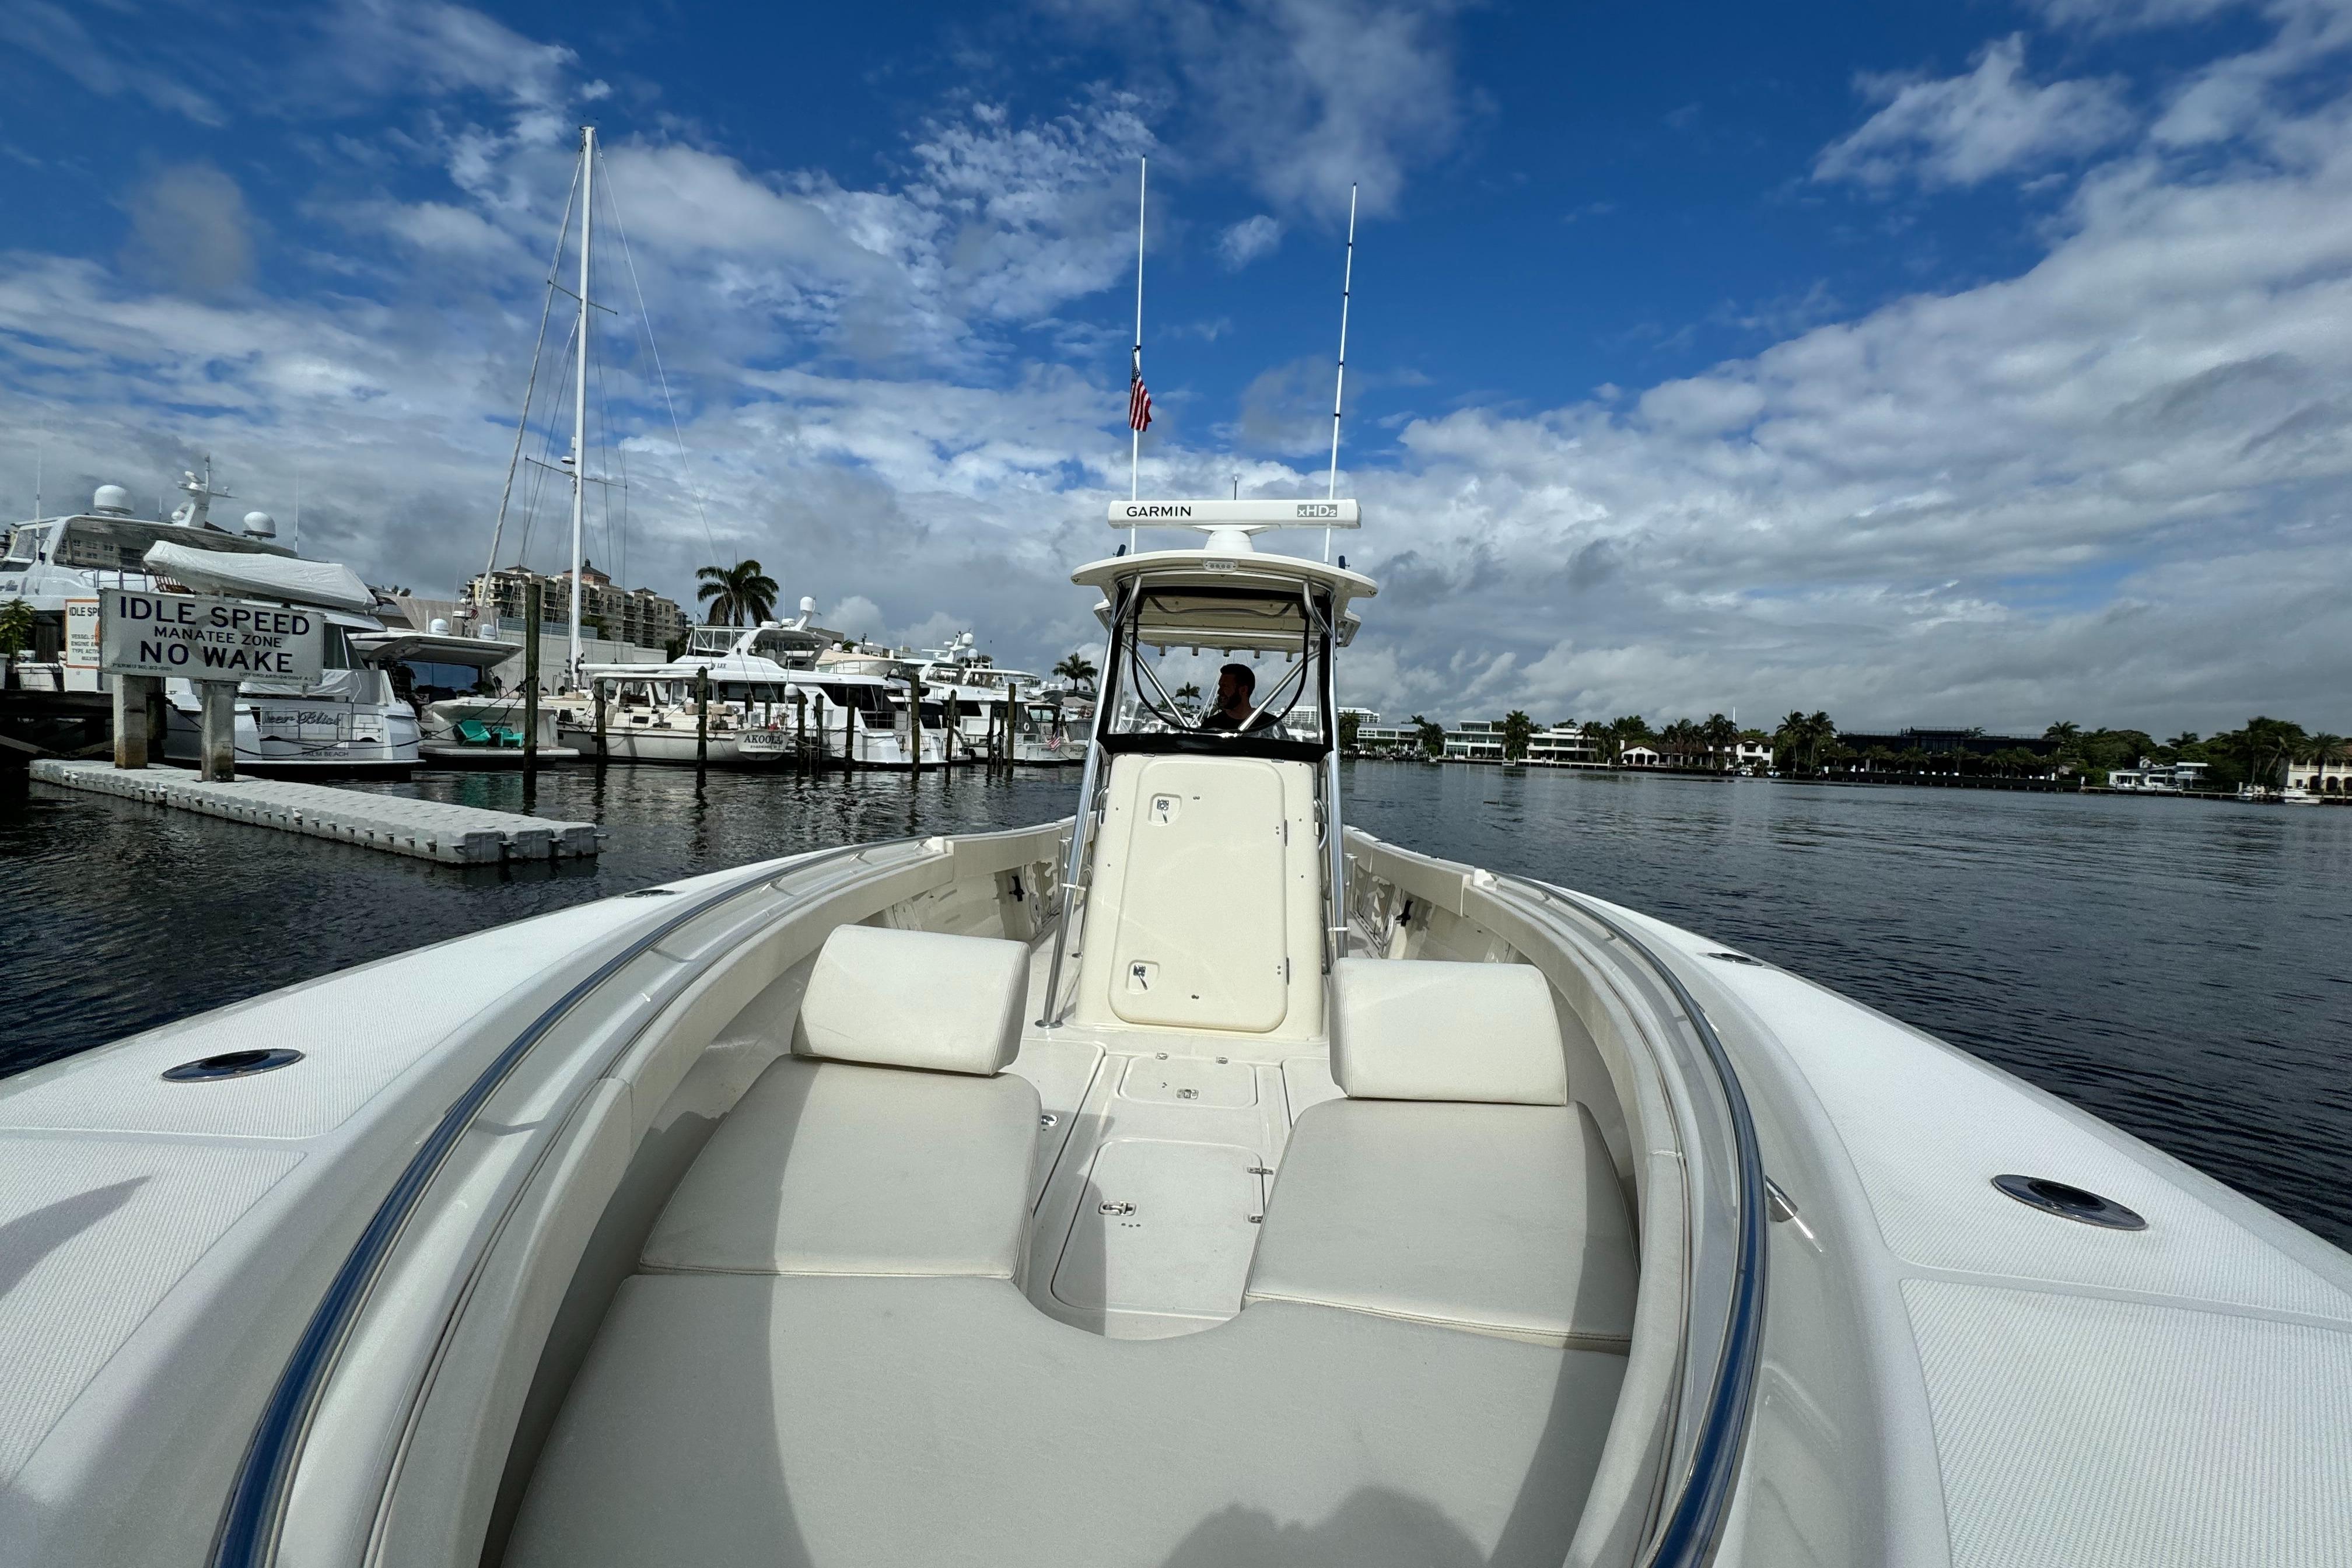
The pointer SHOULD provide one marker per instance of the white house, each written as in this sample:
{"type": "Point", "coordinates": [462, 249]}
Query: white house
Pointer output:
{"type": "Point", "coordinates": [1474, 741]}
{"type": "Point", "coordinates": [2320, 778]}
{"type": "Point", "coordinates": [1563, 746]}
{"type": "Point", "coordinates": [2152, 777]}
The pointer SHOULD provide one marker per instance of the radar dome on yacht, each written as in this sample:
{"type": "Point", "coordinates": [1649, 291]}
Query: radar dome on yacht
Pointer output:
{"type": "Point", "coordinates": [440, 628]}
{"type": "Point", "coordinates": [260, 525]}
{"type": "Point", "coordinates": [808, 606]}
{"type": "Point", "coordinates": [110, 501]}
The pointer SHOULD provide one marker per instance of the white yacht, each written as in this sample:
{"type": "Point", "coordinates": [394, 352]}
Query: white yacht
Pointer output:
{"type": "Point", "coordinates": [1194, 1180]}
{"type": "Point", "coordinates": [57, 564]}
{"type": "Point", "coordinates": [770, 697]}
{"type": "Point", "coordinates": [981, 693]}
{"type": "Point", "coordinates": [349, 722]}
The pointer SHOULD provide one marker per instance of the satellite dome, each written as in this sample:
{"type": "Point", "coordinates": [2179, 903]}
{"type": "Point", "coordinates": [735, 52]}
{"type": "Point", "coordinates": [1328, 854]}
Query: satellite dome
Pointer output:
{"type": "Point", "coordinates": [260, 525]}
{"type": "Point", "coordinates": [111, 500]}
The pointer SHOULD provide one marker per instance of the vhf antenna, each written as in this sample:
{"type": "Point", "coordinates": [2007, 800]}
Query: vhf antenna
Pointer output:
{"type": "Point", "coordinates": [1347, 284]}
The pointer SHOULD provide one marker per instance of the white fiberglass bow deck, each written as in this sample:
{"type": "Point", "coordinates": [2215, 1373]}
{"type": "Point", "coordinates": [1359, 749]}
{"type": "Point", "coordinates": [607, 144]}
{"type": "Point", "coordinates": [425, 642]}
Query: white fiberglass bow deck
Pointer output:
{"type": "Point", "coordinates": [1194, 1182]}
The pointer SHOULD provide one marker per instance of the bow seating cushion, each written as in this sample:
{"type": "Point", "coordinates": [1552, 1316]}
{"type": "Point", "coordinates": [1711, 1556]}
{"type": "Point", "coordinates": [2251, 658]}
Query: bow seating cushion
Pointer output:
{"type": "Point", "coordinates": [1434, 1202]}
{"type": "Point", "coordinates": [836, 1167]}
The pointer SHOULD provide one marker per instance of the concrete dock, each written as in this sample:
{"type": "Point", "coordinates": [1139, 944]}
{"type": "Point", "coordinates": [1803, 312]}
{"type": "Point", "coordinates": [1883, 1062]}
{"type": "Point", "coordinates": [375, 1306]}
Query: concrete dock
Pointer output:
{"type": "Point", "coordinates": [427, 829]}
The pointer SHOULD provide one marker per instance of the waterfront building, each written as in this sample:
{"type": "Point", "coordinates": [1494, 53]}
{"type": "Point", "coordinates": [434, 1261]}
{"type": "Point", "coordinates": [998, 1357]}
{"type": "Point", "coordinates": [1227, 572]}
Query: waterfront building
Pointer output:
{"type": "Point", "coordinates": [1751, 757]}
{"type": "Point", "coordinates": [1637, 757]}
{"type": "Point", "coordinates": [1474, 741]}
{"type": "Point", "coordinates": [1564, 746]}
{"type": "Point", "coordinates": [2152, 777]}
{"type": "Point", "coordinates": [1947, 742]}
{"type": "Point", "coordinates": [2320, 778]}
{"type": "Point", "coordinates": [638, 617]}
{"type": "Point", "coordinates": [1388, 740]}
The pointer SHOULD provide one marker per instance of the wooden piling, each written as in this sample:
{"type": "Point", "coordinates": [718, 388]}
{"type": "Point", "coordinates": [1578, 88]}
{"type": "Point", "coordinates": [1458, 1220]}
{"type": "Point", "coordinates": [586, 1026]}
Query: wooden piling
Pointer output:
{"type": "Point", "coordinates": [530, 612]}
{"type": "Point", "coordinates": [701, 720]}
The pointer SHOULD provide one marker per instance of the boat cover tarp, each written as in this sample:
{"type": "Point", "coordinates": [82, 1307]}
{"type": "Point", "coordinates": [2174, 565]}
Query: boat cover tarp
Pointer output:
{"type": "Point", "coordinates": [329, 585]}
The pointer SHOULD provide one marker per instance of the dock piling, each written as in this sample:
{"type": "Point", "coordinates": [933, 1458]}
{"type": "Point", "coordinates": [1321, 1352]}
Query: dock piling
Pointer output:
{"type": "Point", "coordinates": [134, 719]}
{"type": "Point", "coordinates": [216, 748]}
{"type": "Point", "coordinates": [530, 612]}
{"type": "Point", "coordinates": [702, 721]}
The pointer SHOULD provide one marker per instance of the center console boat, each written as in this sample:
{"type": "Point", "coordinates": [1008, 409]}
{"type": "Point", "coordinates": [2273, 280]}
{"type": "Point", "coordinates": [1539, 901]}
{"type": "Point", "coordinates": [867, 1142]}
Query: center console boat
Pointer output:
{"type": "Point", "coordinates": [1192, 1180]}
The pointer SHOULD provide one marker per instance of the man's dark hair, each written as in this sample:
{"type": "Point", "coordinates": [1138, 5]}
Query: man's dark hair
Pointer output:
{"type": "Point", "coordinates": [1242, 673]}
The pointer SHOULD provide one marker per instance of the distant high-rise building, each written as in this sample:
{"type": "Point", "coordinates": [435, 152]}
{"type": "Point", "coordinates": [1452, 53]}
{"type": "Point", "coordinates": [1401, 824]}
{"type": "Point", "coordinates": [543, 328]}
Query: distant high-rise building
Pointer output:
{"type": "Point", "coordinates": [636, 615]}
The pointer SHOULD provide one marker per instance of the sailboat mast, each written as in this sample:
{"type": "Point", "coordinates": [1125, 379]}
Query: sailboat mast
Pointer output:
{"type": "Point", "coordinates": [580, 390]}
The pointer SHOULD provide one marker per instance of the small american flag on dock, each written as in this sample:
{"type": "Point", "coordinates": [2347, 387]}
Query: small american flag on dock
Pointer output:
{"type": "Point", "coordinates": [1139, 398]}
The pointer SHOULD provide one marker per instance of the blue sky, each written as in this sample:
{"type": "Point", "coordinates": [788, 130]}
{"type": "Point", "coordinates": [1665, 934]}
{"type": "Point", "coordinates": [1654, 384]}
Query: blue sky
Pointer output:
{"type": "Point", "coordinates": [1979, 363]}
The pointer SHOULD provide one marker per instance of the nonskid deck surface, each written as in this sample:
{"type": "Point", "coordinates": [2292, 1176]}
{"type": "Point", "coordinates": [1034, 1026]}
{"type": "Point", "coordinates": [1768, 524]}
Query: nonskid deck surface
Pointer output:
{"type": "Point", "coordinates": [1153, 1170]}
{"type": "Point", "coordinates": [1112, 1403]}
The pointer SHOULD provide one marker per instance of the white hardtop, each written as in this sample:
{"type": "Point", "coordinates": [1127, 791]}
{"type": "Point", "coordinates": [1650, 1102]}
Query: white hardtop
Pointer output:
{"type": "Point", "coordinates": [1228, 556]}
{"type": "Point", "coordinates": [1227, 559]}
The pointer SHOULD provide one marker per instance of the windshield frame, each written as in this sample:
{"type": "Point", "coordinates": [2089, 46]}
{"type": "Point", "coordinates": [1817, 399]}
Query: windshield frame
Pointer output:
{"type": "Point", "coordinates": [1128, 676]}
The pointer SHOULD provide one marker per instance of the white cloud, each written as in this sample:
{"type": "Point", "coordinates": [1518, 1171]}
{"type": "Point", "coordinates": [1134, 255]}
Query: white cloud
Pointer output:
{"type": "Point", "coordinates": [1248, 240]}
{"type": "Point", "coordinates": [2111, 488]}
{"type": "Point", "coordinates": [1964, 129]}
{"type": "Point", "coordinates": [1305, 96]}
{"type": "Point", "coordinates": [386, 46]}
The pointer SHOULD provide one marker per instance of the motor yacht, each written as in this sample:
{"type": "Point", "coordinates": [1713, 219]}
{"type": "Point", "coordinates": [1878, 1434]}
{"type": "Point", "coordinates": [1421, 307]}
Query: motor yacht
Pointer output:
{"type": "Point", "coordinates": [981, 691]}
{"type": "Point", "coordinates": [1192, 1181]}
{"type": "Point", "coordinates": [770, 700]}
{"type": "Point", "coordinates": [59, 565]}
{"type": "Point", "coordinates": [351, 720]}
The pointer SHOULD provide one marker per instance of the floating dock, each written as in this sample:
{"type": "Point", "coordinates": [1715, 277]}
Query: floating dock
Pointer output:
{"type": "Point", "coordinates": [427, 829]}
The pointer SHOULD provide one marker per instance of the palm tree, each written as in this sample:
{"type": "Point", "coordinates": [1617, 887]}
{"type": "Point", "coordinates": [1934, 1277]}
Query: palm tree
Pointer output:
{"type": "Point", "coordinates": [1079, 671]}
{"type": "Point", "coordinates": [1188, 696]}
{"type": "Point", "coordinates": [1722, 738]}
{"type": "Point", "coordinates": [741, 595]}
{"type": "Point", "coordinates": [1518, 730]}
{"type": "Point", "coordinates": [1631, 729]}
{"type": "Point", "coordinates": [1433, 736]}
{"type": "Point", "coordinates": [2321, 749]}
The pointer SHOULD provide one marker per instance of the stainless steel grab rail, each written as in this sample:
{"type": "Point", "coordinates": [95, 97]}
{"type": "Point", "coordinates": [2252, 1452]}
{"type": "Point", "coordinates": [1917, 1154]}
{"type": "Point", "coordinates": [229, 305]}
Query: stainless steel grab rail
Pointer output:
{"type": "Point", "coordinates": [248, 1536]}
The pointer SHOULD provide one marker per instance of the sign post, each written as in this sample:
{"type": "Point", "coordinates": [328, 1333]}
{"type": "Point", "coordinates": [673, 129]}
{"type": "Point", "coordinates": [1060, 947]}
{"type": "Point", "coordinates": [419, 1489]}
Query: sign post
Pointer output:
{"type": "Point", "coordinates": [144, 637]}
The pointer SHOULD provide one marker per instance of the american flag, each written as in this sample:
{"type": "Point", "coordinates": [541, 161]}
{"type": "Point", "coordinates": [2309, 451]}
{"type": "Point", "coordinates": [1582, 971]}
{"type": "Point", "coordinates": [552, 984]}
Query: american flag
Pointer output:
{"type": "Point", "coordinates": [1138, 399]}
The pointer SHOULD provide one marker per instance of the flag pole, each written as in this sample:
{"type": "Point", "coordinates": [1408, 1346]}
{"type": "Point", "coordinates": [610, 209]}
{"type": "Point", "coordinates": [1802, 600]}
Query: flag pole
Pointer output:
{"type": "Point", "coordinates": [1135, 365]}
{"type": "Point", "coordinates": [1346, 283]}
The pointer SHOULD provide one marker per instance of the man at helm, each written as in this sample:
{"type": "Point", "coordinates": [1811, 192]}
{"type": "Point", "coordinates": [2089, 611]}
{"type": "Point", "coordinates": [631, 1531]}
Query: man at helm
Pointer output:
{"type": "Point", "coordinates": [1236, 683]}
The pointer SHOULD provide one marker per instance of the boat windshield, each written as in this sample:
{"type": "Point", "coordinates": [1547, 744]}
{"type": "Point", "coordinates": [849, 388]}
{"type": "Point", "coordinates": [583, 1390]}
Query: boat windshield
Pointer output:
{"type": "Point", "coordinates": [1240, 670]}
{"type": "Point", "coordinates": [23, 546]}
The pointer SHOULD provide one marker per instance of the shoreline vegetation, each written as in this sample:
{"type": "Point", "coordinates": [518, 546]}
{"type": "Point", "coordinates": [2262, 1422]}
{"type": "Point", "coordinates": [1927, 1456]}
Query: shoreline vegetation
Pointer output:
{"type": "Point", "coordinates": [1811, 747]}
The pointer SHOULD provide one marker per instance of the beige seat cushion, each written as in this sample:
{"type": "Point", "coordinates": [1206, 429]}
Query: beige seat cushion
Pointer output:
{"type": "Point", "coordinates": [827, 1168]}
{"type": "Point", "coordinates": [1428, 1030]}
{"type": "Point", "coordinates": [914, 999]}
{"type": "Point", "coordinates": [1503, 1219]}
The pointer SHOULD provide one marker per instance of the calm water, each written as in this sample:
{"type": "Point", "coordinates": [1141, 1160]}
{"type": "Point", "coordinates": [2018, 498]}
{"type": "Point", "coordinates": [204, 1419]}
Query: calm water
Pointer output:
{"type": "Point", "coordinates": [2183, 969]}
